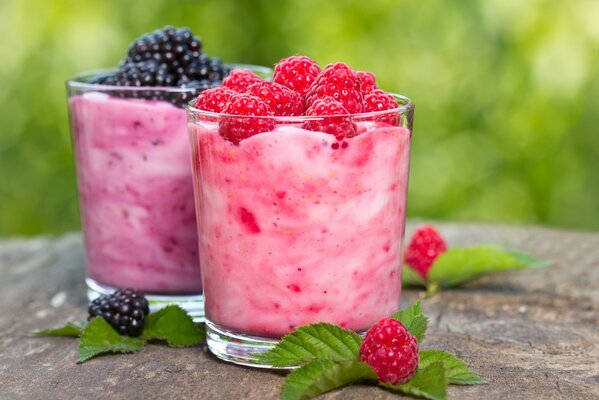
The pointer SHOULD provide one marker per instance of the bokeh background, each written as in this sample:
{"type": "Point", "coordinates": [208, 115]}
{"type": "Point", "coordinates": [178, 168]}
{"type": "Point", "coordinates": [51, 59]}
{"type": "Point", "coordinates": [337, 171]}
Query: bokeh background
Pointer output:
{"type": "Point", "coordinates": [507, 93]}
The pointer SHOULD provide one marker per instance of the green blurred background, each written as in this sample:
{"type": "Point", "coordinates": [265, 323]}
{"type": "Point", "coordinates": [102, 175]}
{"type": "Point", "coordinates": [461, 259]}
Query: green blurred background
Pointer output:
{"type": "Point", "coordinates": [507, 93]}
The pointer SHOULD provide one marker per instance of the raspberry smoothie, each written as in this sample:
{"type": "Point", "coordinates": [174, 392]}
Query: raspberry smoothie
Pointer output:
{"type": "Point", "coordinates": [295, 231]}
{"type": "Point", "coordinates": [136, 193]}
{"type": "Point", "coordinates": [300, 187]}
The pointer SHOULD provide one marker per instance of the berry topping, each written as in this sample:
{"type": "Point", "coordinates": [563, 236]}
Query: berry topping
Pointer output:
{"type": "Point", "coordinates": [339, 82]}
{"type": "Point", "coordinates": [239, 80]}
{"type": "Point", "coordinates": [379, 100]}
{"type": "Point", "coordinates": [125, 311]}
{"type": "Point", "coordinates": [296, 73]}
{"type": "Point", "coordinates": [424, 248]}
{"type": "Point", "coordinates": [281, 100]}
{"type": "Point", "coordinates": [166, 57]}
{"type": "Point", "coordinates": [367, 82]}
{"type": "Point", "coordinates": [339, 124]}
{"type": "Point", "coordinates": [391, 351]}
{"type": "Point", "coordinates": [214, 100]}
{"type": "Point", "coordinates": [237, 129]}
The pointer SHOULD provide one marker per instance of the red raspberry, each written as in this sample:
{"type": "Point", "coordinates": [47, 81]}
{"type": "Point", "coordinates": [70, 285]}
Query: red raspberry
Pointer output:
{"type": "Point", "coordinates": [424, 248]}
{"type": "Point", "coordinates": [339, 126]}
{"type": "Point", "coordinates": [240, 79]}
{"type": "Point", "coordinates": [367, 82]}
{"type": "Point", "coordinates": [379, 100]}
{"type": "Point", "coordinates": [236, 129]}
{"type": "Point", "coordinates": [214, 100]}
{"type": "Point", "coordinates": [280, 99]}
{"type": "Point", "coordinates": [391, 351]}
{"type": "Point", "coordinates": [297, 73]}
{"type": "Point", "coordinates": [339, 82]}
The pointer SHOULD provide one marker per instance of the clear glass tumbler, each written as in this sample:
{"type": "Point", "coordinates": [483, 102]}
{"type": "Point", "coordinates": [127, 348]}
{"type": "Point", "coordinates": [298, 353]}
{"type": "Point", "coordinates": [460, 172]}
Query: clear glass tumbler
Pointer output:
{"type": "Point", "coordinates": [135, 190]}
{"type": "Point", "coordinates": [299, 226]}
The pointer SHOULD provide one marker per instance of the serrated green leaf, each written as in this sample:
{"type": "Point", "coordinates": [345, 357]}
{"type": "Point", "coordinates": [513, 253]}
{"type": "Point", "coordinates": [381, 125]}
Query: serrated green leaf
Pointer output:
{"type": "Point", "coordinates": [99, 337]}
{"type": "Point", "coordinates": [315, 341]}
{"type": "Point", "coordinates": [321, 376]}
{"type": "Point", "coordinates": [409, 277]}
{"type": "Point", "coordinates": [174, 325]}
{"type": "Point", "coordinates": [457, 371]}
{"type": "Point", "coordinates": [528, 259]}
{"type": "Point", "coordinates": [459, 265]}
{"type": "Point", "coordinates": [429, 382]}
{"type": "Point", "coordinates": [413, 319]}
{"type": "Point", "coordinates": [69, 330]}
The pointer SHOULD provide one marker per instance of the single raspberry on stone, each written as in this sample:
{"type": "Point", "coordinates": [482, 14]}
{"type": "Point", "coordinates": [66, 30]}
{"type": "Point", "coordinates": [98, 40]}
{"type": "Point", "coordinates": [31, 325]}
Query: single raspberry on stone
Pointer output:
{"type": "Point", "coordinates": [281, 100]}
{"type": "Point", "coordinates": [297, 73]}
{"type": "Point", "coordinates": [338, 124]}
{"type": "Point", "coordinates": [391, 351]}
{"type": "Point", "coordinates": [424, 248]}
{"type": "Point", "coordinates": [214, 100]}
{"type": "Point", "coordinates": [240, 79]}
{"type": "Point", "coordinates": [339, 82]}
{"type": "Point", "coordinates": [367, 82]}
{"type": "Point", "coordinates": [379, 100]}
{"type": "Point", "coordinates": [246, 106]}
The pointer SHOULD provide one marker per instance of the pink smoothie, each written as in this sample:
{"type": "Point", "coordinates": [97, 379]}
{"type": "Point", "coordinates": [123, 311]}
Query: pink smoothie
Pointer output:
{"type": "Point", "coordinates": [294, 231]}
{"type": "Point", "coordinates": [136, 193]}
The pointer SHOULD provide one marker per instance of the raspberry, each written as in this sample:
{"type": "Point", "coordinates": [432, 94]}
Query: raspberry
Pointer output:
{"type": "Point", "coordinates": [339, 82]}
{"type": "Point", "coordinates": [391, 351]}
{"type": "Point", "coordinates": [367, 82]}
{"type": "Point", "coordinates": [281, 100]}
{"type": "Point", "coordinates": [297, 73]}
{"type": "Point", "coordinates": [214, 100]}
{"type": "Point", "coordinates": [379, 100]}
{"type": "Point", "coordinates": [340, 126]}
{"type": "Point", "coordinates": [426, 245]}
{"type": "Point", "coordinates": [125, 311]}
{"type": "Point", "coordinates": [240, 79]}
{"type": "Point", "coordinates": [237, 129]}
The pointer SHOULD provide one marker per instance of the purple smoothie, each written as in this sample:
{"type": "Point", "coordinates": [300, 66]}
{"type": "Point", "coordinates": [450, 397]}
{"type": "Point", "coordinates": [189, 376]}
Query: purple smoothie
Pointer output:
{"type": "Point", "coordinates": [136, 193]}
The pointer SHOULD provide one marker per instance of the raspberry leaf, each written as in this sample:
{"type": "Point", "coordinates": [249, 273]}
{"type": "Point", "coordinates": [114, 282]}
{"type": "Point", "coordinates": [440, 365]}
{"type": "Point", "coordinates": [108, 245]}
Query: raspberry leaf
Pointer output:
{"type": "Point", "coordinates": [69, 330]}
{"type": "Point", "coordinates": [413, 319]}
{"type": "Point", "coordinates": [99, 337]}
{"type": "Point", "coordinates": [430, 383]}
{"type": "Point", "coordinates": [320, 341]}
{"type": "Point", "coordinates": [174, 325]}
{"type": "Point", "coordinates": [458, 265]}
{"type": "Point", "coordinates": [457, 371]}
{"type": "Point", "coordinates": [321, 376]}
{"type": "Point", "coordinates": [409, 277]}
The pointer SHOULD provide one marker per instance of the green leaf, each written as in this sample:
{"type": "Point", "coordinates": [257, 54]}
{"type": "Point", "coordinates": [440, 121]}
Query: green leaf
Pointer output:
{"type": "Point", "coordinates": [321, 376]}
{"type": "Point", "coordinates": [99, 338]}
{"type": "Point", "coordinates": [429, 382]}
{"type": "Point", "coordinates": [315, 341]}
{"type": "Point", "coordinates": [409, 277]}
{"type": "Point", "coordinates": [174, 325]}
{"type": "Point", "coordinates": [413, 319]}
{"type": "Point", "coordinates": [69, 330]}
{"type": "Point", "coordinates": [529, 260]}
{"type": "Point", "coordinates": [457, 371]}
{"type": "Point", "coordinates": [459, 265]}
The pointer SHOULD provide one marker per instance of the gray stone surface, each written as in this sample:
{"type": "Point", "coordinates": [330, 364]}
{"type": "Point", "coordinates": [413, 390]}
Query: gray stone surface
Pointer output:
{"type": "Point", "coordinates": [529, 334]}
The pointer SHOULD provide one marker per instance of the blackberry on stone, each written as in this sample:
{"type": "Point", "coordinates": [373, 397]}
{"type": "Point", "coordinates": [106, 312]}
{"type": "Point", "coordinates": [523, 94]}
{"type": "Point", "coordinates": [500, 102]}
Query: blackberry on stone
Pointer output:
{"type": "Point", "coordinates": [125, 311]}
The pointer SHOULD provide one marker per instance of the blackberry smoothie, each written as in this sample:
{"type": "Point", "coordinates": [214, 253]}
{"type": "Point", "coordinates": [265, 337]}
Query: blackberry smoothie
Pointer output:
{"type": "Point", "coordinates": [300, 188]}
{"type": "Point", "coordinates": [135, 183]}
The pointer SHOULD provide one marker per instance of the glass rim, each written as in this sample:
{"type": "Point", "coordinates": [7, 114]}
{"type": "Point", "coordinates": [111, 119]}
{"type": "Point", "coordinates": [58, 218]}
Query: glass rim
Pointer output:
{"type": "Point", "coordinates": [408, 106]}
{"type": "Point", "coordinates": [77, 82]}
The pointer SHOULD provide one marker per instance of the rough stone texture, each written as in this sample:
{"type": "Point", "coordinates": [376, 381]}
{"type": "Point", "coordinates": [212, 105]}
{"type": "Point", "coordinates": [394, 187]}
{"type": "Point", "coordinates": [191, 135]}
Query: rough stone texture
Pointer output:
{"type": "Point", "coordinates": [529, 334]}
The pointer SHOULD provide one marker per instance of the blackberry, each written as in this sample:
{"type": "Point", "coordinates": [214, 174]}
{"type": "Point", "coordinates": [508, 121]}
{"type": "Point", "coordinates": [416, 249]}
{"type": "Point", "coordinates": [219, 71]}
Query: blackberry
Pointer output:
{"type": "Point", "coordinates": [168, 57]}
{"type": "Point", "coordinates": [125, 311]}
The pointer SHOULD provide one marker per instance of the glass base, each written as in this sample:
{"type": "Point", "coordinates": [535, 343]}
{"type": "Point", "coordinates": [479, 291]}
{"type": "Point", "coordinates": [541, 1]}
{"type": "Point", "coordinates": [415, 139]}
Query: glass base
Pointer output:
{"type": "Point", "coordinates": [238, 348]}
{"type": "Point", "coordinates": [193, 304]}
